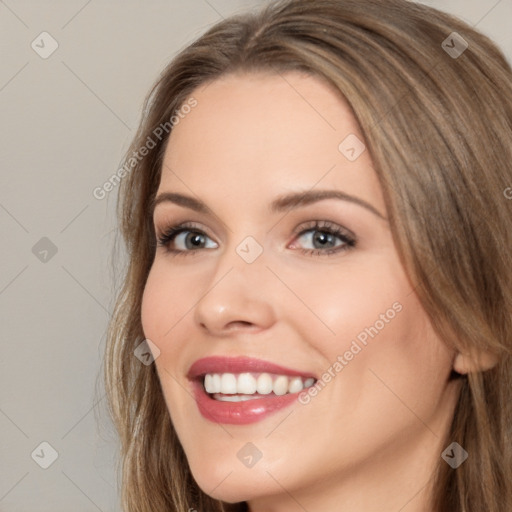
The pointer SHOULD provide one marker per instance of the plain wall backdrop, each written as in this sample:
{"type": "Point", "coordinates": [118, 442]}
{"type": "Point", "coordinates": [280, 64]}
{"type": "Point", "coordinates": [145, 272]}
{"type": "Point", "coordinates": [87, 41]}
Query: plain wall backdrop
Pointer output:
{"type": "Point", "coordinates": [67, 118]}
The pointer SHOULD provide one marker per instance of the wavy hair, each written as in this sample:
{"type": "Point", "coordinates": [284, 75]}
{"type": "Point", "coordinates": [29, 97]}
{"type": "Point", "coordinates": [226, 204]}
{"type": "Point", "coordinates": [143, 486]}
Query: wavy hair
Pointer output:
{"type": "Point", "coordinates": [438, 127]}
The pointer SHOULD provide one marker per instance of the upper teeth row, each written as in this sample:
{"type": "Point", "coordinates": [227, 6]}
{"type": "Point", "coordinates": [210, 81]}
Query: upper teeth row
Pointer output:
{"type": "Point", "coordinates": [249, 383]}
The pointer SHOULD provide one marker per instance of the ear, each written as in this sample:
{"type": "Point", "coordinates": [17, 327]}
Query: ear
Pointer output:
{"type": "Point", "coordinates": [471, 363]}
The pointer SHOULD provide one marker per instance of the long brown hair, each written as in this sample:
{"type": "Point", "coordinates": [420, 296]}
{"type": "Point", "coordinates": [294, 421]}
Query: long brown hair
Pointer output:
{"type": "Point", "coordinates": [438, 126]}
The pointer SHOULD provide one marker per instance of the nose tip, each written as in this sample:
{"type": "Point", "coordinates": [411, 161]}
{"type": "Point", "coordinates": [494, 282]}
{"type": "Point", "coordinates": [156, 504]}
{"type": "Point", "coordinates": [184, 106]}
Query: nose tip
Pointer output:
{"type": "Point", "coordinates": [235, 304]}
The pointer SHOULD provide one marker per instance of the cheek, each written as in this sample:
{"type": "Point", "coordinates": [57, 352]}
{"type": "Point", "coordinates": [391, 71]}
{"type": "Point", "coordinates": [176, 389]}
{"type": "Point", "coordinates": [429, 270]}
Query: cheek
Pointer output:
{"type": "Point", "coordinates": [343, 300]}
{"type": "Point", "coordinates": [163, 303]}
{"type": "Point", "coordinates": [163, 308]}
{"type": "Point", "coordinates": [378, 347]}
{"type": "Point", "coordinates": [395, 371]}
{"type": "Point", "coordinates": [152, 300]}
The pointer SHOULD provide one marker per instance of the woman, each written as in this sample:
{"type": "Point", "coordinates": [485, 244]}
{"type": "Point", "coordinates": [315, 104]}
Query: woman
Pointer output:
{"type": "Point", "coordinates": [319, 242]}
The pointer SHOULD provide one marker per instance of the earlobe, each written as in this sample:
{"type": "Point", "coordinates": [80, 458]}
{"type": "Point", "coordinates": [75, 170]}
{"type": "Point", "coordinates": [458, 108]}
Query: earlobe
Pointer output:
{"type": "Point", "coordinates": [470, 363]}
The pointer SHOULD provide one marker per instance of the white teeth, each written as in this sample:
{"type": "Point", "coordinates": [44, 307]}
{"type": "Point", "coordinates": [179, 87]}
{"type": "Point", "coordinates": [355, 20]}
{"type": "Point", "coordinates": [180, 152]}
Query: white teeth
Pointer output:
{"type": "Point", "coordinates": [309, 382]}
{"type": "Point", "coordinates": [295, 385]}
{"type": "Point", "coordinates": [216, 383]}
{"type": "Point", "coordinates": [280, 385]}
{"type": "Point", "coordinates": [208, 384]}
{"type": "Point", "coordinates": [264, 384]}
{"type": "Point", "coordinates": [234, 398]}
{"type": "Point", "coordinates": [244, 386]}
{"type": "Point", "coordinates": [228, 384]}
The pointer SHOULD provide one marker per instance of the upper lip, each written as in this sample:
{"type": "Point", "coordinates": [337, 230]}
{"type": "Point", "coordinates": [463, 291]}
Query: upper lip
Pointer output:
{"type": "Point", "coordinates": [240, 364]}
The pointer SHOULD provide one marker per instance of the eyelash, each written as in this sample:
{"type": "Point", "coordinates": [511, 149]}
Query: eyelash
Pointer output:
{"type": "Point", "coordinates": [326, 227]}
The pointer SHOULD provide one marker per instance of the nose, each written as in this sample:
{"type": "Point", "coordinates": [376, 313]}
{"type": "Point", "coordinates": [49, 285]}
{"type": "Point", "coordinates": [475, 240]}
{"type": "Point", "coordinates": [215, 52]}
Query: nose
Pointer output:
{"type": "Point", "coordinates": [236, 299]}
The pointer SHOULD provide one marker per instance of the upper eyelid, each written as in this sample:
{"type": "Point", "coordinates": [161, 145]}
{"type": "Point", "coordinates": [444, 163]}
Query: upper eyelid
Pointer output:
{"type": "Point", "coordinates": [304, 226]}
{"type": "Point", "coordinates": [208, 214]}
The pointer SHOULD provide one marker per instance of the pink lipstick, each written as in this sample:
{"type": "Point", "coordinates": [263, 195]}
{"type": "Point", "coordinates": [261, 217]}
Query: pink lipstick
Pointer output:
{"type": "Point", "coordinates": [243, 390]}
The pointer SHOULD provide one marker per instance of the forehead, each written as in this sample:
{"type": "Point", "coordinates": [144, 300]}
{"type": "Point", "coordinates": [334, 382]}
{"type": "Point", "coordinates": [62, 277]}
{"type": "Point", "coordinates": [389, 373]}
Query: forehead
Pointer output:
{"type": "Point", "coordinates": [260, 133]}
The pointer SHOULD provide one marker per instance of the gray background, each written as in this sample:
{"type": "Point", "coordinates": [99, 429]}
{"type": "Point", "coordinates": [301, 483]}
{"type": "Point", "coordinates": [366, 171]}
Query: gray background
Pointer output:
{"type": "Point", "coordinates": [65, 123]}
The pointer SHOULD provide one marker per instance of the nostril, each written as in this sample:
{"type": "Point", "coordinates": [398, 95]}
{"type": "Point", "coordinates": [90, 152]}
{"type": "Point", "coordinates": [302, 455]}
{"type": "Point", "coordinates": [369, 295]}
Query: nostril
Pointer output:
{"type": "Point", "coordinates": [240, 323]}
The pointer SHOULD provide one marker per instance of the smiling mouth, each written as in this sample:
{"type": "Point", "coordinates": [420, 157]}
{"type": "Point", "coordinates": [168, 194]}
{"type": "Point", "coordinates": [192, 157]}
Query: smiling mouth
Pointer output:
{"type": "Point", "coordinates": [239, 387]}
{"type": "Point", "coordinates": [243, 390]}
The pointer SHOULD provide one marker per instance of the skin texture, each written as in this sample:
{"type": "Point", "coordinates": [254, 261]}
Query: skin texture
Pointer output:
{"type": "Point", "coordinates": [370, 438]}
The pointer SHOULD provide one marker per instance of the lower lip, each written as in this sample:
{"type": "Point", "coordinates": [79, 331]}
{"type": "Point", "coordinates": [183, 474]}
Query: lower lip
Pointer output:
{"type": "Point", "coordinates": [240, 413]}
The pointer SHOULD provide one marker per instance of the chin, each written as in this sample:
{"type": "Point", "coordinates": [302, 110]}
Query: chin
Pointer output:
{"type": "Point", "coordinates": [240, 485]}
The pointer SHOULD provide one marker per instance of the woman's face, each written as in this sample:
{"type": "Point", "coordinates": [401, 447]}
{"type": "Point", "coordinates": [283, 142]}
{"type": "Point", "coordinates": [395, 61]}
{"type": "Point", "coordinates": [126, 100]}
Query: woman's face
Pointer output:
{"type": "Point", "coordinates": [269, 270]}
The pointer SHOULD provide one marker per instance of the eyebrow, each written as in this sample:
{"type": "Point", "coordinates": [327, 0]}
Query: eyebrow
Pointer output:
{"type": "Point", "coordinates": [282, 203]}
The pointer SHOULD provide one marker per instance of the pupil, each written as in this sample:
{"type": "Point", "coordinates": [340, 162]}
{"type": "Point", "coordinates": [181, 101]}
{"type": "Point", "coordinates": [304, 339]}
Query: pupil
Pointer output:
{"type": "Point", "coordinates": [195, 239]}
{"type": "Point", "coordinates": [322, 238]}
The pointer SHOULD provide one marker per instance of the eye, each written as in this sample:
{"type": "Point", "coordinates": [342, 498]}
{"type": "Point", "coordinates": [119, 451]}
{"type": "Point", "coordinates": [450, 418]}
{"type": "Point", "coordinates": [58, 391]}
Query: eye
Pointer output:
{"type": "Point", "coordinates": [185, 238]}
{"type": "Point", "coordinates": [326, 237]}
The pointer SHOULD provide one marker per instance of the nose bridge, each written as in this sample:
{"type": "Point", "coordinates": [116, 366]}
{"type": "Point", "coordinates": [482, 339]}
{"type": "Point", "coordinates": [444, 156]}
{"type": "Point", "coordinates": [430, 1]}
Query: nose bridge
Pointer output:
{"type": "Point", "coordinates": [238, 292]}
{"type": "Point", "coordinates": [244, 262]}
